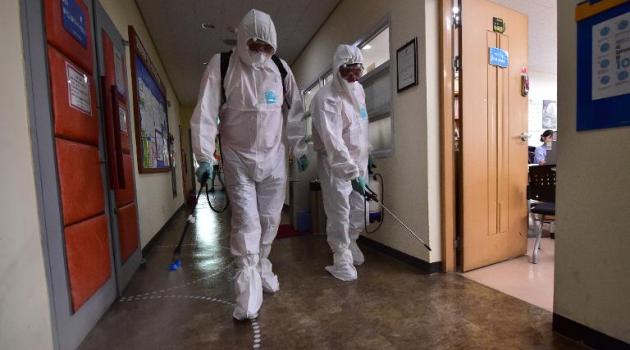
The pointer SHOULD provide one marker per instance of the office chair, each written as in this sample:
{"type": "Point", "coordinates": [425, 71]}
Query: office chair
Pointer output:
{"type": "Point", "coordinates": [531, 153]}
{"type": "Point", "coordinates": [542, 189]}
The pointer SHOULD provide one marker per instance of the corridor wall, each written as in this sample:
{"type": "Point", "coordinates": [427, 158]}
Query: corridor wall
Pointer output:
{"type": "Point", "coordinates": [24, 299]}
{"type": "Point", "coordinates": [412, 173]}
{"type": "Point", "coordinates": [593, 202]}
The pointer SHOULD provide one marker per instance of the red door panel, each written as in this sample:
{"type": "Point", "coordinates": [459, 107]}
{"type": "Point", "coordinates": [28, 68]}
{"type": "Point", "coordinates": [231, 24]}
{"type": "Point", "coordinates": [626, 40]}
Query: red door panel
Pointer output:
{"type": "Point", "coordinates": [128, 230]}
{"type": "Point", "coordinates": [80, 181]}
{"type": "Point", "coordinates": [88, 258]}
{"type": "Point", "coordinates": [126, 195]}
{"type": "Point", "coordinates": [59, 36]}
{"type": "Point", "coordinates": [73, 119]}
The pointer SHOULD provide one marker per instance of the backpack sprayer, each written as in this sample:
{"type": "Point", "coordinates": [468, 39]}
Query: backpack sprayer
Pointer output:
{"type": "Point", "coordinates": [371, 196]}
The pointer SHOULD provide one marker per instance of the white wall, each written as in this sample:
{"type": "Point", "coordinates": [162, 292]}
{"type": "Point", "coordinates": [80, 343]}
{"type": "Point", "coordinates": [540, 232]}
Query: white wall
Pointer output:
{"type": "Point", "coordinates": [412, 173]}
{"type": "Point", "coordinates": [542, 86]}
{"type": "Point", "coordinates": [25, 321]}
{"type": "Point", "coordinates": [156, 204]}
{"type": "Point", "coordinates": [593, 201]}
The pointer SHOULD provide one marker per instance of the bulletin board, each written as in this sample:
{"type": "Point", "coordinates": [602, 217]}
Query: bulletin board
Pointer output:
{"type": "Point", "coordinates": [603, 64]}
{"type": "Point", "coordinates": [150, 110]}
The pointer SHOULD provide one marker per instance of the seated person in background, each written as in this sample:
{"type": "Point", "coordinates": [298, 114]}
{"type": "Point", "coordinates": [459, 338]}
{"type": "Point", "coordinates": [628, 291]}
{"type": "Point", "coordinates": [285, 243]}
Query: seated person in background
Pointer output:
{"type": "Point", "coordinates": [541, 151]}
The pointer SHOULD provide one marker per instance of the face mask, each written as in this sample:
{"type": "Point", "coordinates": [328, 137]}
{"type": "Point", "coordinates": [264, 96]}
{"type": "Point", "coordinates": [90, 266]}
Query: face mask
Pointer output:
{"type": "Point", "coordinates": [258, 58]}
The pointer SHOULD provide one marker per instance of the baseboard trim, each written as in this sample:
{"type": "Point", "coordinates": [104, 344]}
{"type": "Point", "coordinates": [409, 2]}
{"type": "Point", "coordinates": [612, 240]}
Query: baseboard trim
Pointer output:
{"type": "Point", "coordinates": [406, 258]}
{"type": "Point", "coordinates": [147, 248]}
{"type": "Point", "coordinates": [586, 335]}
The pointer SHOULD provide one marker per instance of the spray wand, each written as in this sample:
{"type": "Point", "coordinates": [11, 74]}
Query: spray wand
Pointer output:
{"type": "Point", "coordinates": [372, 196]}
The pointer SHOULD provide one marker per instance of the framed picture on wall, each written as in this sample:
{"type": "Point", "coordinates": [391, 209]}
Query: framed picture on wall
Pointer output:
{"type": "Point", "coordinates": [549, 115]}
{"type": "Point", "coordinates": [406, 65]}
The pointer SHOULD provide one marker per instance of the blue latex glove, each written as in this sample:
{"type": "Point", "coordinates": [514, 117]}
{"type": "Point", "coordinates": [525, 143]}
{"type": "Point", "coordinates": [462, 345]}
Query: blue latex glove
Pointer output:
{"type": "Point", "coordinates": [358, 184]}
{"type": "Point", "coordinates": [302, 163]}
{"type": "Point", "coordinates": [371, 164]}
{"type": "Point", "coordinates": [204, 172]}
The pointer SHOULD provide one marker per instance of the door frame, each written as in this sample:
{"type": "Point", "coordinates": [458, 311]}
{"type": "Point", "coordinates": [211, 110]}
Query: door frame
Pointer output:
{"type": "Point", "coordinates": [448, 178]}
{"type": "Point", "coordinates": [68, 328]}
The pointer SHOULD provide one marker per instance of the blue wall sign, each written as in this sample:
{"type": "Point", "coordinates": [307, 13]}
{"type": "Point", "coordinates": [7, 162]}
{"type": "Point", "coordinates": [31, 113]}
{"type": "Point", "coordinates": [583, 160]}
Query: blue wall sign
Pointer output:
{"type": "Point", "coordinates": [603, 69]}
{"type": "Point", "coordinates": [499, 57]}
{"type": "Point", "coordinates": [75, 21]}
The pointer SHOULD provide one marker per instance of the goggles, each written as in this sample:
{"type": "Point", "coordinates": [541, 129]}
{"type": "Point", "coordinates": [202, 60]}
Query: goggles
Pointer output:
{"type": "Point", "coordinates": [260, 46]}
{"type": "Point", "coordinates": [356, 68]}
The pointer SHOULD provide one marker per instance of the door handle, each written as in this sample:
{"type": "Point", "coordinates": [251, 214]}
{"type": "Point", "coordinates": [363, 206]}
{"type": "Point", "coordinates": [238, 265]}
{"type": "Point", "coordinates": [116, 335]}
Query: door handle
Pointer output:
{"type": "Point", "coordinates": [524, 136]}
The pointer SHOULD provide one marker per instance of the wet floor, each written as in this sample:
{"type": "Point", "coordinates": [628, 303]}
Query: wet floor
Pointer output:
{"type": "Point", "coordinates": [391, 306]}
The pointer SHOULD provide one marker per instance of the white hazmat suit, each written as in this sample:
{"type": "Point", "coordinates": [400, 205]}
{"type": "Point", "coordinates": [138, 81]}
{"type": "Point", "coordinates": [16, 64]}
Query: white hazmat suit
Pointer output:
{"type": "Point", "coordinates": [340, 135]}
{"type": "Point", "coordinates": [251, 129]}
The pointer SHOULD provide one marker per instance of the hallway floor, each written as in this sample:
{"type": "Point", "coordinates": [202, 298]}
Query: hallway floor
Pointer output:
{"type": "Point", "coordinates": [391, 306]}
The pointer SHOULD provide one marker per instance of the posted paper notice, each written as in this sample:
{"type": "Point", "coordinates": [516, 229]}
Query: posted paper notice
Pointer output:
{"type": "Point", "coordinates": [611, 57]}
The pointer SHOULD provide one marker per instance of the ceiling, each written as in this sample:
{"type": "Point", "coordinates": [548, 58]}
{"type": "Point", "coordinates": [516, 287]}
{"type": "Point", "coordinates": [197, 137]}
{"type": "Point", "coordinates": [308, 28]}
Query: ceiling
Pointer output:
{"type": "Point", "coordinates": [175, 28]}
{"type": "Point", "coordinates": [543, 42]}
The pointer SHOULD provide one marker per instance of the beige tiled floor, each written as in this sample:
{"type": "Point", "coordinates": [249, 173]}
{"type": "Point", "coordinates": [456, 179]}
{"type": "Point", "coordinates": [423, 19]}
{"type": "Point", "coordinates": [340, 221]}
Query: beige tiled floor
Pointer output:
{"type": "Point", "coordinates": [522, 279]}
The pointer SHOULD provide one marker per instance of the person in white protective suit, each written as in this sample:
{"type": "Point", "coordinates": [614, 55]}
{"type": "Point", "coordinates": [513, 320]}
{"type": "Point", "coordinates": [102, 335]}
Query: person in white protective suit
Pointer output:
{"type": "Point", "coordinates": [251, 129]}
{"type": "Point", "coordinates": [340, 136]}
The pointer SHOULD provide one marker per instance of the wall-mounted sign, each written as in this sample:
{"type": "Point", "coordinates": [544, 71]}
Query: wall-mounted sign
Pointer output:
{"type": "Point", "coordinates": [74, 20]}
{"type": "Point", "coordinates": [603, 64]}
{"type": "Point", "coordinates": [119, 67]}
{"type": "Point", "coordinates": [406, 63]}
{"type": "Point", "coordinates": [499, 57]}
{"type": "Point", "coordinates": [498, 25]}
{"type": "Point", "coordinates": [78, 89]}
{"type": "Point", "coordinates": [122, 118]}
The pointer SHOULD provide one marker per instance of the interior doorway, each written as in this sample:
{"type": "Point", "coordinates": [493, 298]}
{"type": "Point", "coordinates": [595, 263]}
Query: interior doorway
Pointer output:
{"type": "Point", "coordinates": [498, 97]}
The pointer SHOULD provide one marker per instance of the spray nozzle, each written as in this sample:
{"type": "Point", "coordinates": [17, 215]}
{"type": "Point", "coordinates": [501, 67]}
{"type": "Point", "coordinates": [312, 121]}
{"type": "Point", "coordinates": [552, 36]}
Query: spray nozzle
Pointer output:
{"type": "Point", "coordinates": [370, 195]}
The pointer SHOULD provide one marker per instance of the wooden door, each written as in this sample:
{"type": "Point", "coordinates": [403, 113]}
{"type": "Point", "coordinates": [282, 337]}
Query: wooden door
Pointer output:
{"type": "Point", "coordinates": [493, 207]}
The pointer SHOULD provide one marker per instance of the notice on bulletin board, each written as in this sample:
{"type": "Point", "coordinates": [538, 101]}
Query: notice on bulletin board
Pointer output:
{"type": "Point", "coordinates": [611, 57]}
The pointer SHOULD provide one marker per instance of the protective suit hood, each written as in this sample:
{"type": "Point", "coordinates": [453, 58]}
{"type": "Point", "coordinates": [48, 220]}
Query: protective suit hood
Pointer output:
{"type": "Point", "coordinates": [255, 25]}
{"type": "Point", "coordinates": [346, 54]}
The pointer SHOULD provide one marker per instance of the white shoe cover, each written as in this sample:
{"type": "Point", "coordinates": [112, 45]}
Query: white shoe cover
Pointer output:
{"type": "Point", "coordinates": [270, 282]}
{"type": "Point", "coordinates": [247, 288]}
{"type": "Point", "coordinates": [342, 268]}
{"type": "Point", "coordinates": [357, 256]}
